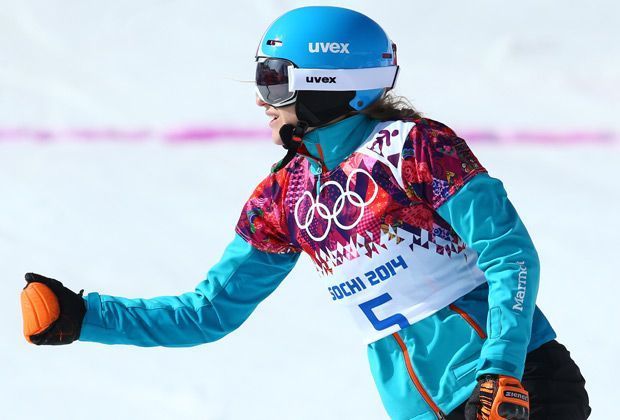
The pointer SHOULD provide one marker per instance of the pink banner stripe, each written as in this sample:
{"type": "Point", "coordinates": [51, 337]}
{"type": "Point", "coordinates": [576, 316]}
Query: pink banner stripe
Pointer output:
{"type": "Point", "coordinates": [539, 136]}
{"type": "Point", "coordinates": [214, 133]}
{"type": "Point", "coordinates": [209, 134]}
{"type": "Point", "coordinates": [81, 134]}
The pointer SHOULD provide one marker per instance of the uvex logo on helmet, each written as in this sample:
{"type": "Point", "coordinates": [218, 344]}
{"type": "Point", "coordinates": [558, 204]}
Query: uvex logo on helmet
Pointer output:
{"type": "Point", "coordinates": [329, 47]}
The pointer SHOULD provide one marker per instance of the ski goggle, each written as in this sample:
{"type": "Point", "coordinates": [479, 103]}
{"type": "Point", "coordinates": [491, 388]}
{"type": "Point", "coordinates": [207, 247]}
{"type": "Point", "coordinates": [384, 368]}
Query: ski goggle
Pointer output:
{"type": "Point", "coordinates": [278, 80]}
{"type": "Point", "coordinates": [272, 84]}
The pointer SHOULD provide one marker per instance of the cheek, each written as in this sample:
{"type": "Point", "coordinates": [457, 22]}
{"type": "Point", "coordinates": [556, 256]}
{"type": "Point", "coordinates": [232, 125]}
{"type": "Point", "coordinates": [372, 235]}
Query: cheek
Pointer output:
{"type": "Point", "coordinates": [275, 131]}
{"type": "Point", "coordinates": [288, 115]}
{"type": "Point", "coordinates": [275, 134]}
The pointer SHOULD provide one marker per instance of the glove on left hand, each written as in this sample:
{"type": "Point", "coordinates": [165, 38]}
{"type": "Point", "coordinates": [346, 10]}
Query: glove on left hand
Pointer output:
{"type": "Point", "coordinates": [52, 313]}
{"type": "Point", "coordinates": [498, 397]}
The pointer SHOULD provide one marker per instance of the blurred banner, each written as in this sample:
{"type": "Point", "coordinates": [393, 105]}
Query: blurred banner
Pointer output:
{"type": "Point", "coordinates": [526, 71]}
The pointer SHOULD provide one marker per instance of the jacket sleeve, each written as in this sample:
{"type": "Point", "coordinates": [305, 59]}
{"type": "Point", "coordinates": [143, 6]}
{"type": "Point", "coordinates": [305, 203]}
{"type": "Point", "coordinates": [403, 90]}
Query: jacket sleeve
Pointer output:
{"type": "Point", "coordinates": [484, 218]}
{"type": "Point", "coordinates": [233, 288]}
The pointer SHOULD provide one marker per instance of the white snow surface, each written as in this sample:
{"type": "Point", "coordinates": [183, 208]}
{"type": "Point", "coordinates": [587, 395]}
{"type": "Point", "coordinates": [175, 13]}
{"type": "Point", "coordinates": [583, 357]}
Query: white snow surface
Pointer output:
{"type": "Point", "coordinates": [148, 219]}
{"type": "Point", "coordinates": [527, 64]}
{"type": "Point", "coordinates": [140, 221]}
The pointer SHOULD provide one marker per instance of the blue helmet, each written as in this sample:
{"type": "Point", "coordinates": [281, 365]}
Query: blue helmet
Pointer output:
{"type": "Point", "coordinates": [329, 61]}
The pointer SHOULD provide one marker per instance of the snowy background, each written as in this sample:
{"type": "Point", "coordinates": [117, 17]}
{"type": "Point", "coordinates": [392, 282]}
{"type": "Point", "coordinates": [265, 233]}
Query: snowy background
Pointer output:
{"type": "Point", "coordinates": [138, 216]}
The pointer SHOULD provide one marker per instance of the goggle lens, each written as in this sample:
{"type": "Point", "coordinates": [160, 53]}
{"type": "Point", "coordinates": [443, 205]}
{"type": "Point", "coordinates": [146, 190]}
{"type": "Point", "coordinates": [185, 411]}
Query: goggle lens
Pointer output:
{"type": "Point", "coordinates": [272, 81]}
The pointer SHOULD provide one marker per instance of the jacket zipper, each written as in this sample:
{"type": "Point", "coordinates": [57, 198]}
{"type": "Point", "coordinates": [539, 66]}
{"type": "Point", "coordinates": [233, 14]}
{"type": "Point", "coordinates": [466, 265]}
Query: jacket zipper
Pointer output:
{"type": "Point", "coordinates": [469, 320]}
{"type": "Point", "coordinates": [318, 172]}
{"type": "Point", "coordinates": [416, 382]}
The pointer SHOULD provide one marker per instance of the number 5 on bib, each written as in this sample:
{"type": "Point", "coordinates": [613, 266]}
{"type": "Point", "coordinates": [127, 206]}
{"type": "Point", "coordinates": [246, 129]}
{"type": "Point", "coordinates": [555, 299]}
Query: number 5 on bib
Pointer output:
{"type": "Point", "coordinates": [381, 324]}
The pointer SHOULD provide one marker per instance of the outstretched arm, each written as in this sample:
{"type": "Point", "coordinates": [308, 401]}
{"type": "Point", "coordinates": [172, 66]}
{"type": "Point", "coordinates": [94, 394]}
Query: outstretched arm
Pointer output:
{"type": "Point", "coordinates": [253, 265]}
{"type": "Point", "coordinates": [233, 288]}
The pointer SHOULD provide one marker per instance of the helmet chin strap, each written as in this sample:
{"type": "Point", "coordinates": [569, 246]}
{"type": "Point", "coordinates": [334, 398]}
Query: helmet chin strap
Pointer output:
{"type": "Point", "coordinates": [291, 136]}
{"type": "Point", "coordinates": [313, 109]}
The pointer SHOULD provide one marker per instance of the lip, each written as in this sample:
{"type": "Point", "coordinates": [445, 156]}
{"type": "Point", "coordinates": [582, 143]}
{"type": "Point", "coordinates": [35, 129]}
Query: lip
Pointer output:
{"type": "Point", "coordinates": [273, 117]}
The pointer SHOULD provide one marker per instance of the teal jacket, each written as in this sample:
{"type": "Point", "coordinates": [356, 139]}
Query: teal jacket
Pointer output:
{"type": "Point", "coordinates": [489, 330]}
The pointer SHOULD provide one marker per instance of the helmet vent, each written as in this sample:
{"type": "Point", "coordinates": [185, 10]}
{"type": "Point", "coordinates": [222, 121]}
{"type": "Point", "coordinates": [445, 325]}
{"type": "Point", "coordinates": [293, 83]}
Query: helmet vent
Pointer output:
{"type": "Point", "coordinates": [274, 42]}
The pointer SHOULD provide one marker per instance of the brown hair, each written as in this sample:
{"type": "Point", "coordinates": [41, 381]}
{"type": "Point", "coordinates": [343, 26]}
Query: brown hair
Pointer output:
{"type": "Point", "coordinates": [392, 107]}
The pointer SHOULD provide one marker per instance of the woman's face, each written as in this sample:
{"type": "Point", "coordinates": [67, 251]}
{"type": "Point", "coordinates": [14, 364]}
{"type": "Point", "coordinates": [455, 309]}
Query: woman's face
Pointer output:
{"type": "Point", "coordinates": [278, 117]}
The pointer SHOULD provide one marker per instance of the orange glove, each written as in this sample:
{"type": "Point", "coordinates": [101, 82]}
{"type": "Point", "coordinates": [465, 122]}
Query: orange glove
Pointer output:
{"type": "Point", "coordinates": [498, 397]}
{"type": "Point", "coordinates": [52, 313]}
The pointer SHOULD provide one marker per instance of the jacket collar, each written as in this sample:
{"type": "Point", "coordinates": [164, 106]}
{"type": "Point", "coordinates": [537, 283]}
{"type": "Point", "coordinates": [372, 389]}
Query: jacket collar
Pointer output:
{"type": "Point", "coordinates": [328, 146]}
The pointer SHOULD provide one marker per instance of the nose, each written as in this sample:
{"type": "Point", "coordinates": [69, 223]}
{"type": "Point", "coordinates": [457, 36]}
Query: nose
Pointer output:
{"type": "Point", "coordinates": [260, 102]}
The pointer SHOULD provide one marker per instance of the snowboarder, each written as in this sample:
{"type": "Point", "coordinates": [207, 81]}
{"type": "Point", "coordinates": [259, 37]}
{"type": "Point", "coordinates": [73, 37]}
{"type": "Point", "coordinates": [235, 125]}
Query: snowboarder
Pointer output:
{"type": "Point", "coordinates": [410, 234]}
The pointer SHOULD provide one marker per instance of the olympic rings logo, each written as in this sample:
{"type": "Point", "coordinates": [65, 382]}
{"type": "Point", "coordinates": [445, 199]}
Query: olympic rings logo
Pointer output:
{"type": "Point", "coordinates": [318, 209]}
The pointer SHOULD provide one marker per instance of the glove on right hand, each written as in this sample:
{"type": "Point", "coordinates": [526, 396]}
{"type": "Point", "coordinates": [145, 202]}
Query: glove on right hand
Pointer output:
{"type": "Point", "coordinates": [52, 313]}
{"type": "Point", "coordinates": [498, 397]}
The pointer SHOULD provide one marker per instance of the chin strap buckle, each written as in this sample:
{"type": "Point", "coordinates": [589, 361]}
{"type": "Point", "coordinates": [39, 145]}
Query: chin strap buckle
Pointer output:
{"type": "Point", "coordinates": [291, 136]}
{"type": "Point", "coordinates": [299, 131]}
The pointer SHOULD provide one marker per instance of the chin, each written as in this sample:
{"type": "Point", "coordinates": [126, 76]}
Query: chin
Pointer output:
{"type": "Point", "coordinates": [275, 138]}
